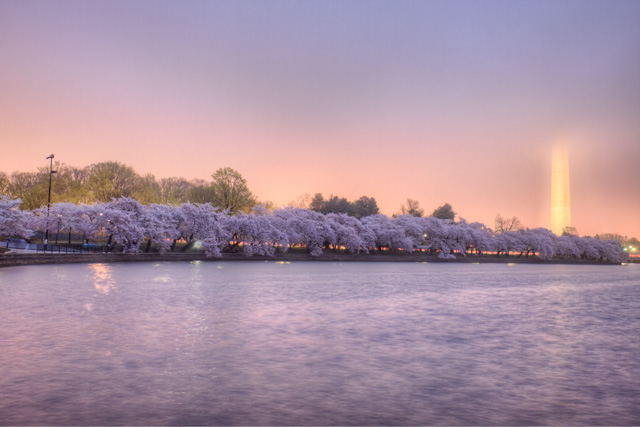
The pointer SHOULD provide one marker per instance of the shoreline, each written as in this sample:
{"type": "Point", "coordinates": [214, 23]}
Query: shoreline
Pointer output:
{"type": "Point", "coordinates": [17, 259]}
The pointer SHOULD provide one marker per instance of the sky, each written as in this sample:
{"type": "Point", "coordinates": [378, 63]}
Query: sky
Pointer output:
{"type": "Point", "coordinates": [456, 102]}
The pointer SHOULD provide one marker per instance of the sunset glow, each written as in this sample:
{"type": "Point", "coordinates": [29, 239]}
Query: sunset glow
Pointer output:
{"type": "Point", "coordinates": [443, 102]}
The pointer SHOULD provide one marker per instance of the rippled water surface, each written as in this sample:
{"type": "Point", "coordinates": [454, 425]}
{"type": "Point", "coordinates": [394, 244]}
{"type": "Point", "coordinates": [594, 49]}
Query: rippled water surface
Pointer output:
{"type": "Point", "coordinates": [250, 343]}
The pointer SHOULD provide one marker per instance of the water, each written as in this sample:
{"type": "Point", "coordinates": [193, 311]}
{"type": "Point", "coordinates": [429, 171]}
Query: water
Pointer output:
{"type": "Point", "coordinates": [250, 343]}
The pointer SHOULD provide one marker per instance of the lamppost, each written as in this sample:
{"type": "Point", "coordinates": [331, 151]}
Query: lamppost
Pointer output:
{"type": "Point", "coordinates": [51, 172]}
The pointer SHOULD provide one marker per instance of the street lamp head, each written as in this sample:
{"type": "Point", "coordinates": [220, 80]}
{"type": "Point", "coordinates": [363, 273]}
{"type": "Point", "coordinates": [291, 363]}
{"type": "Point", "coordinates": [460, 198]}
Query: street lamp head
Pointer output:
{"type": "Point", "coordinates": [50, 156]}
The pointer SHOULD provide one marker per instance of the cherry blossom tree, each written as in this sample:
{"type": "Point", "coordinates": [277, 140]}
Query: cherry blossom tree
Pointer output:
{"type": "Point", "coordinates": [538, 240]}
{"type": "Point", "coordinates": [59, 218]}
{"type": "Point", "coordinates": [161, 224]}
{"type": "Point", "coordinates": [587, 247]}
{"type": "Point", "coordinates": [207, 224]}
{"type": "Point", "coordinates": [13, 221]}
{"type": "Point", "coordinates": [480, 238]}
{"type": "Point", "coordinates": [612, 251]}
{"type": "Point", "coordinates": [123, 220]}
{"type": "Point", "coordinates": [308, 228]}
{"type": "Point", "coordinates": [565, 247]}
{"type": "Point", "coordinates": [458, 235]}
{"type": "Point", "coordinates": [413, 229]}
{"type": "Point", "coordinates": [514, 241]}
{"type": "Point", "coordinates": [350, 233]}
{"type": "Point", "coordinates": [435, 235]}
{"type": "Point", "coordinates": [387, 233]}
{"type": "Point", "coordinates": [86, 220]}
{"type": "Point", "coordinates": [258, 233]}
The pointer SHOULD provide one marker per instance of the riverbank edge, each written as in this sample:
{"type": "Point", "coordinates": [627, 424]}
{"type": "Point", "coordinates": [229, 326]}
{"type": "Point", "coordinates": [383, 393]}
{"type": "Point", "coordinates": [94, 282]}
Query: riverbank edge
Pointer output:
{"type": "Point", "coordinates": [17, 259]}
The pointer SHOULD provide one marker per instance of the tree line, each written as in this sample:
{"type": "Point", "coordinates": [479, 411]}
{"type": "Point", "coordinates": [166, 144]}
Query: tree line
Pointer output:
{"type": "Point", "coordinates": [105, 181]}
{"type": "Point", "coordinates": [228, 190]}
{"type": "Point", "coordinates": [137, 227]}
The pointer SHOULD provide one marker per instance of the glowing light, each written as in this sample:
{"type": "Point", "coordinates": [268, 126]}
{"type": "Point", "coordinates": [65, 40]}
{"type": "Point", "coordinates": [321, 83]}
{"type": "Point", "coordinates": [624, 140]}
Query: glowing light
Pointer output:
{"type": "Point", "coordinates": [560, 198]}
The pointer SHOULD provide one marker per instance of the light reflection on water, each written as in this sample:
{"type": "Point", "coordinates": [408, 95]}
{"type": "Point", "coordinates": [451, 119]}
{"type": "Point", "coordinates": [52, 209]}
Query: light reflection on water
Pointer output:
{"type": "Point", "coordinates": [102, 280]}
{"type": "Point", "coordinates": [250, 343]}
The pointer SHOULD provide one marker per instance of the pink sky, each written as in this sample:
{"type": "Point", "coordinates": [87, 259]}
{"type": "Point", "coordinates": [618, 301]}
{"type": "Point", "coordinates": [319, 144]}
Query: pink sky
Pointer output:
{"type": "Point", "coordinates": [456, 102]}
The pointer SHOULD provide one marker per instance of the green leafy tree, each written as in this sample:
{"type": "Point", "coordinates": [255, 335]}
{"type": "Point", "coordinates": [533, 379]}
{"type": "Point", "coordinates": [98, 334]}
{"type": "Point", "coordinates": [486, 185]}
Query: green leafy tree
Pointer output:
{"type": "Point", "coordinates": [444, 212]}
{"type": "Point", "coordinates": [200, 192]}
{"type": "Point", "coordinates": [173, 191]}
{"type": "Point", "coordinates": [4, 183]}
{"type": "Point", "coordinates": [230, 191]}
{"type": "Point", "coordinates": [69, 184]}
{"type": "Point", "coordinates": [147, 190]}
{"type": "Point", "coordinates": [112, 180]}
{"type": "Point", "coordinates": [31, 187]}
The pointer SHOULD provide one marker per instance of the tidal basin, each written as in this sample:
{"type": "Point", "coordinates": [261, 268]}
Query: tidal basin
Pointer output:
{"type": "Point", "coordinates": [275, 343]}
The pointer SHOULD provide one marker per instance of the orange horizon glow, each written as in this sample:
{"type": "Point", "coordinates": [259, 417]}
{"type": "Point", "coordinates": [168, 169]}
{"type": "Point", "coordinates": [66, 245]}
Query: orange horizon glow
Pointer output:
{"type": "Point", "coordinates": [439, 102]}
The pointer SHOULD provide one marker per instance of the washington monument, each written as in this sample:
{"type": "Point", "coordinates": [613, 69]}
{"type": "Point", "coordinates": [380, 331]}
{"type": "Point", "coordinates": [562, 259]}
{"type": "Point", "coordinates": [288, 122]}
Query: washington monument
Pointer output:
{"type": "Point", "coordinates": [560, 199]}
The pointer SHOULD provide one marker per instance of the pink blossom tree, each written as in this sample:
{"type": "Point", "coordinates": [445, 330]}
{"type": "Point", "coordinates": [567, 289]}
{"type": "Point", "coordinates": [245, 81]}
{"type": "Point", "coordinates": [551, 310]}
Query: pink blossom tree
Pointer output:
{"type": "Point", "coordinates": [123, 219]}
{"type": "Point", "coordinates": [161, 224]}
{"type": "Point", "coordinates": [350, 233]}
{"type": "Point", "coordinates": [206, 224]}
{"type": "Point", "coordinates": [387, 233]}
{"type": "Point", "coordinates": [258, 233]}
{"type": "Point", "coordinates": [87, 220]}
{"type": "Point", "coordinates": [308, 228]}
{"type": "Point", "coordinates": [13, 221]}
{"type": "Point", "coordinates": [480, 238]}
{"type": "Point", "coordinates": [565, 247]}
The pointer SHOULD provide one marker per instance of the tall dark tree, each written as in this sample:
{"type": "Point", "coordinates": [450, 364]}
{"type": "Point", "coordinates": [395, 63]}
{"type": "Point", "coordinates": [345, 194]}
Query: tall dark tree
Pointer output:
{"type": "Point", "coordinates": [365, 206]}
{"type": "Point", "coordinates": [317, 203]}
{"type": "Point", "coordinates": [444, 212]}
{"type": "Point", "coordinates": [362, 207]}
{"type": "Point", "coordinates": [337, 204]}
